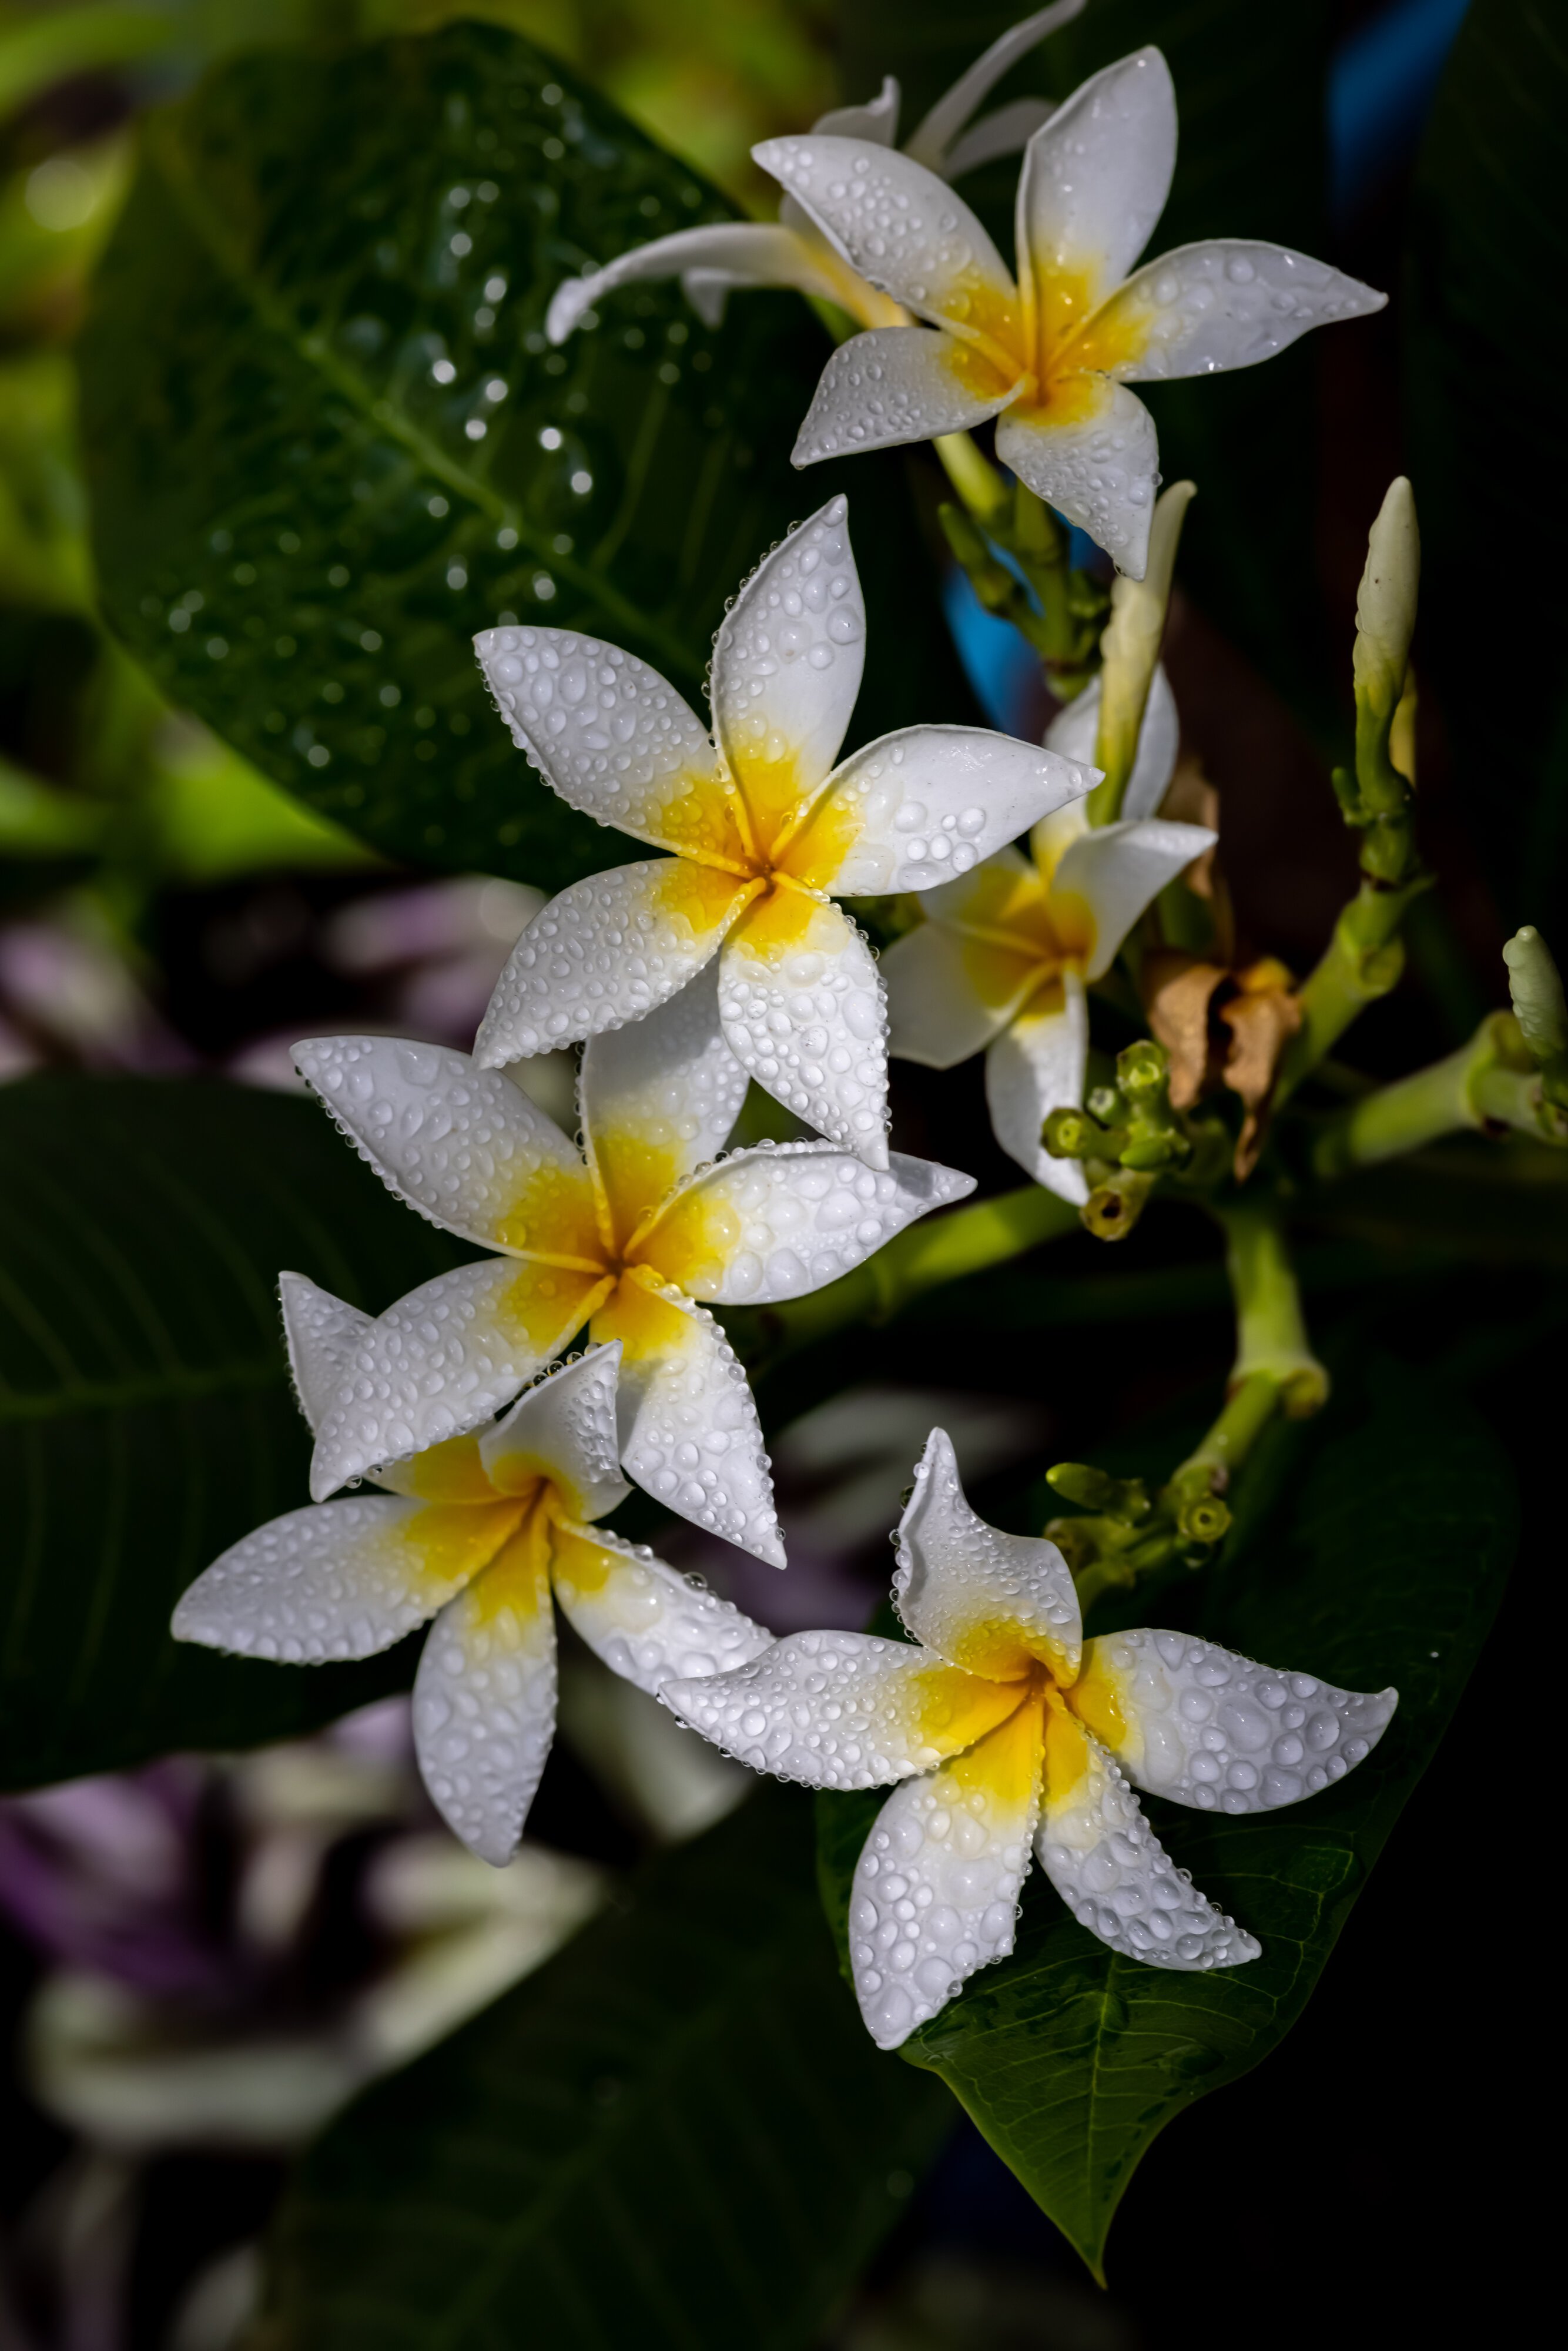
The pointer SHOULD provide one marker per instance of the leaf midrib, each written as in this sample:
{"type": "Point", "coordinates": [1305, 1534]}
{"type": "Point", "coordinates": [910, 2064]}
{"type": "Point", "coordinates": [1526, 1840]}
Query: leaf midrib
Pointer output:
{"type": "Point", "coordinates": [167, 157]}
{"type": "Point", "coordinates": [186, 1386]}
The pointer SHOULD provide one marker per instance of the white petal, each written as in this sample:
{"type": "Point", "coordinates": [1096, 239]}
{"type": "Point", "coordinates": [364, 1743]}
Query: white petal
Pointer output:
{"type": "Point", "coordinates": [1036, 1066]}
{"type": "Point", "coordinates": [339, 1579]}
{"type": "Point", "coordinates": [708, 292]}
{"type": "Point", "coordinates": [936, 1886]}
{"type": "Point", "coordinates": [1113, 1873]}
{"type": "Point", "coordinates": [321, 1333]}
{"type": "Point", "coordinates": [459, 1142]}
{"type": "Point", "coordinates": [1200, 1724]}
{"type": "Point", "coordinates": [991, 1603]}
{"type": "Point", "coordinates": [605, 731]}
{"type": "Point", "coordinates": [1118, 869]}
{"type": "Point", "coordinates": [877, 119]}
{"type": "Point", "coordinates": [647, 1623]}
{"type": "Point", "coordinates": [787, 666]}
{"type": "Point", "coordinates": [931, 142]}
{"type": "Point", "coordinates": [564, 1428]}
{"type": "Point", "coordinates": [897, 222]}
{"type": "Point", "coordinates": [656, 1100]}
{"type": "Point", "coordinates": [1096, 179]}
{"type": "Point", "coordinates": [607, 950]}
{"type": "Point", "coordinates": [444, 1359]}
{"type": "Point", "coordinates": [802, 1008]}
{"type": "Point", "coordinates": [895, 384]}
{"type": "Point", "coordinates": [689, 1431]}
{"type": "Point", "coordinates": [777, 1222]}
{"type": "Point", "coordinates": [746, 253]}
{"type": "Point", "coordinates": [1005, 133]}
{"type": "Point", "coordinates": [841, 1709]}
{"type": "Point", "coordinates": [918, 807]}
{"type": "Point", "coordinates": [484, 1701]}
{"type": "Point", "coordinates": [1073, 733]}
{"type": "Point", "coordinates": [1225, 304]}
{"type": "Point", "coordinates": [936, 1014]}
{"type": "Point", "coordinates": [1098, 466]}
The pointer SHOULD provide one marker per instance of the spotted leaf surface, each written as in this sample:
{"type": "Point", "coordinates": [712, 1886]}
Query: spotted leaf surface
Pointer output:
{"type": "Point", "coordinates": [328, 442]}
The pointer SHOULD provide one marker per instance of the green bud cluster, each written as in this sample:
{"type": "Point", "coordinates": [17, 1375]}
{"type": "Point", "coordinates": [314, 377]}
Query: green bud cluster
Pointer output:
{"type": "Point", "coordinates": [1127, 1533]}
{"type": "Point", "coordinates": [1129, 1136]}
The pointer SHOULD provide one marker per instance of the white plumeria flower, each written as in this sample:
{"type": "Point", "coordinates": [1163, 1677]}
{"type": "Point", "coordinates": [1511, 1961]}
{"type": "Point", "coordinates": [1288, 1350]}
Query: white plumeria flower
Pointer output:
{"type": "Point", "coordinates": [710, 261]}
{"type": "Point", "coordinates": [764, 830]}
{"type": "Point", "coordinates": [626, 1241]}
{"type": "Point", "coordinates": [1010, 1731]}
{"type": "Point", "coordinates": [1051, 356]}
{"type": "Point", "coordinates": [1003, 958]}
{"type": "Point", "coordinates": [477, 1532]}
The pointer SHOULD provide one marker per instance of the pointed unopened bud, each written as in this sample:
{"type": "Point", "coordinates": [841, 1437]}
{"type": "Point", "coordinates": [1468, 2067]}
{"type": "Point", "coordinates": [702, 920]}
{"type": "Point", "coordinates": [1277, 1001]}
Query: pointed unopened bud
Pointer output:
{"type": "Point", "coordinates": [1130, 648]}
{"type": "Point", "coordinates": [1535, 985]}
{"type": "Point", "coordinates": [1385, 601]}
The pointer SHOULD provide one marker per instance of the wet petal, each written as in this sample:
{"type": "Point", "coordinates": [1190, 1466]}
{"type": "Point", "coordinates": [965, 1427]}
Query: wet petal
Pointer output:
{"type": "Point", "coordinates": [802, 1009]}
{"type": "Point", "coordinates": [339, 1579]}
{"type": "Point", "coordinates": [787, 666]}
{"type": "Point", "coordinates": [657, 1098]}
{"type": "Point", "coordinates": [743, 252]}
{"type": "Point", "coordinates": [1094, 182]}
{"type": "Point", "coordinates": [1073, 732]}
{"type": "Point", "coordinates": [936, 1888]}
{"type": "Point", "coordinates": [647, 1623]}
{"type": "Point", "coordinates": [1092, 455]}
{"type": "Point", "coordinates": [913, 809]}
{"type": "Point", "coordinates": [1225, 304]}
{"type": "Point", "coordinates": [445, 1358]}
{"type": "Point", "coordinates": [689, 1431]}
{"type": "Point", "coordinates": [1198, 1723]}
{"type": "Point", "coordinates": [949, 996]}
{"type": "Point", "coordinates": [459, 1142]}
{"type": "Point", "coordinates": [991, 1603]}
{"type": "Point", "coordinates": [1118, 869]}
{"type": "Point", "coordinates": [484, 1700]}
{"type": "Point", "coordinates": [1036, 1066]}
{"type": "Point", "coordinates": [320, 1333]}
{"type": "Point", "coordinates": [606, 951]}
{"type": "Point", "coordinates": [900, 226]}
{"type": "Point", "coordinates": [896, 385]}
{"type": "Point", "coordinates": [563, 1429]}
{"type": "Point", "coordinates": [843, 1709]}
{"type": "Point", "coordinates": [778, 1221]}
{"type": "Point", "coordinates": [609, 735]}
{"type": "Point", "coordinates": [1111, 1870]}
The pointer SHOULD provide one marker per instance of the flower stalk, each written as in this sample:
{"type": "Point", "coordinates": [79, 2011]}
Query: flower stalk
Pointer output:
{"type": "Point", "coordinates": [1056, 610]}
{"type": "Point", "coordinates": [1490, 1084]}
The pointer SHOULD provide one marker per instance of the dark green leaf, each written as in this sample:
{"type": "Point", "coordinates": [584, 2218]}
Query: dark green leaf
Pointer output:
{"type": "Point", "coordinates": [145, 1414]}
{"type": "Point", "coordinates": [675, 2135]}
{"type": "Point", "coordinates": [1379, 1557]}
{"type": "Point", "coordinates": [1485, 360]}
{"type": "Point", "coordinates": [1250, 88]}
{"type": "Point", "coordinates": [295, 527]}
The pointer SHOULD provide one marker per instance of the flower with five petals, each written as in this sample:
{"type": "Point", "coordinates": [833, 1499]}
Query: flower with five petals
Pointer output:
{"type": "Point", "coordinates": [1002, 958]}
{"type": "Point", "coordinates": [711, 261]}
{"type": "Point", "coordinates": [626, 1239]}
{"type": "Point", "coordinates": [764, 833]}
{"type": "Point", "coordinates": [475, 1532]}
{"type": "Point", "coordinates": [1012, 1733]}
{"type": "Point", "coordinates": [1050, 355]}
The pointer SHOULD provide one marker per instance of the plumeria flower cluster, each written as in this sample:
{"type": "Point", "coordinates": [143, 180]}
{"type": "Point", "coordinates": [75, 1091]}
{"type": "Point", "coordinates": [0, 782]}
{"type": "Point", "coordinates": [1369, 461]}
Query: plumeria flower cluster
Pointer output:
{"type": "Point", "coordinates": [477, 1532]}
{"type": "Point", "coordinates": [631, 1237]}
{"type": "Point", "coordinates": [763, 832]}
{"type": "Point", "coordinates": [711, 262]}
{"type": "Point", "coordinates": [1012, 1738]}
{"type": "Point", "coordinates": [1001, 961]}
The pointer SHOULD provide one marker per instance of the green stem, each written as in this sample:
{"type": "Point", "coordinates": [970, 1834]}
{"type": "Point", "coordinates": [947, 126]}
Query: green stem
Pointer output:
{"type": "Point", "coordinates": [1271, 1329]}
{"type": "Point", "coordinates": [1248, 1409]}
{"type": "Point", "coordinates": [1484, 1085]}
{"type": "Point", "coordinates": [975, 478]}
{"type": "Point", "coordinates": [1361, 962]}
{"type": "Point", "coordinates": [926, 1256]}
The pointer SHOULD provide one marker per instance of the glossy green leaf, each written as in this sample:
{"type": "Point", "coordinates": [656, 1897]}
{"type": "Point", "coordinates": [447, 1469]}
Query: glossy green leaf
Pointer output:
{"type": "Point", "coordinates": [675, 2135]}
{"type": "Point", "coordinates": [327, 442]}
{"type": "Point", "coordinates": [1485, 358]}
{"type": "Point", "coordinates": [1251, 162]}
{"type": "Point", "coordinates": [1372, 1549]}
{"type": "Point", "coordinates": [146, 1419]}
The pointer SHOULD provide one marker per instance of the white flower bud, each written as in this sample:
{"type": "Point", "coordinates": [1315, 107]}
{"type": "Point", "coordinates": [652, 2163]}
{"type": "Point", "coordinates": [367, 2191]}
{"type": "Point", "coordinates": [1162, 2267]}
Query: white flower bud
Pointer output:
{"type": "Point", "coordinates": [1130, 646]}
{"type": "Point", "coordinates": [1536, 988]}
{"type": "Point", "coordinates": [1385, 601]}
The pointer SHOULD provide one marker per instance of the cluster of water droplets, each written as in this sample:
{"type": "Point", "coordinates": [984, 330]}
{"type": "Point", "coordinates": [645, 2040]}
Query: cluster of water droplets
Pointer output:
{"type": "Point", "coordinates": [810, 1024]}
{"type": "Point", "coordinates": [695, 1443]}
{"type": "Point", "coordinates": [793, 1216]}
{"type": "Point", "coordinates": [484, 1717]}
{"type": "Point", "coordinates": [604, 953]}
{"type": "Point", "coordinates": [315, 1587]}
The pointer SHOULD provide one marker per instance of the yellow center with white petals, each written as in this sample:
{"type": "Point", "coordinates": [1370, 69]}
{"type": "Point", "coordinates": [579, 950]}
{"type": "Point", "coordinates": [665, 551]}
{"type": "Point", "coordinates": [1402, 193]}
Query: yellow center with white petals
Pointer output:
{"type": "Point", "coordinates": [757, 833]}
{"type": "Point", "coordinates": [989, 1717]}
{"type": "Point", "coordinates": [1019, 935]}
{"type": "Point", "coordinates": [1056, 344]}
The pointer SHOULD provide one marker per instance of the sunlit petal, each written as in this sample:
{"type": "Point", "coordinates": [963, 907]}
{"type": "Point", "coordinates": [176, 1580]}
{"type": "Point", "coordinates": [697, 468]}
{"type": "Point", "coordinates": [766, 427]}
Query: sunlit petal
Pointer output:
{"type": "Point", "coordinates": [895, 384]}
{"type": "Point", "coordinates": [994, 1604]}
{"type": "Point", "coordinates": [913, 808]}
{"type": "Point", "coordinates": [787, 669]}
{"type": "Point", "coordinates": [647, 1623]}
{"type": "Point", "coordinates": [1094, 182]}
{"type": "Point", "coordinates": [563, 1429]}
{"type": "Point", "coordinates": [802, 1009]}
{"type": "Point", "coordinates": [1092, 454]}
{"type": "Point", "coordinates": [1073, 730]}
{"type": "Point", "coordinates": [657, 1098]}
{"type": "Point", "coordinates": [1228, 303]}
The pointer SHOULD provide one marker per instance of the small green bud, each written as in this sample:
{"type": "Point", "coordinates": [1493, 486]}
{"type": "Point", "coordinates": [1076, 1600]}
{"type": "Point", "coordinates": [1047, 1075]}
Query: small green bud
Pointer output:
{"type": "Point", "coordinates": [1107, 1105]}
{"type": "Point", "coordinates": [1536, 988]}
{"type": "Point", "coordinates": [1149, 1149]}
{"type": "Point", "coordinates": [1072, 1134]}
{"type": "Point", "coordinates": [1074, 1539]}
{"type": "Point", "coordinates": [1205, 1519]}
{"type": "Point", "coordinates": [1143, 1068]}
{"type": "Point", "coordinates": [1112, 1209]}
{"type": "Point", "coordinates": [1096, 1490]}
